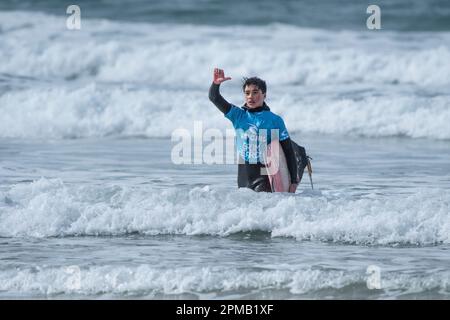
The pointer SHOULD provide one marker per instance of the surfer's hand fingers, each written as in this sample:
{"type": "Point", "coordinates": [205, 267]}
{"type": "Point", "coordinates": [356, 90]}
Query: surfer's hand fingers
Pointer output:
{"type": "Point", "coordinates": [219, 76]}
{"type": "Point", "coordinates": [216, 76]}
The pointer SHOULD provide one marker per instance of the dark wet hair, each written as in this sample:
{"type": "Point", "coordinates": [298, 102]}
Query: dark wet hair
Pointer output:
{"type": "Point", "coordinates": [259, 83]}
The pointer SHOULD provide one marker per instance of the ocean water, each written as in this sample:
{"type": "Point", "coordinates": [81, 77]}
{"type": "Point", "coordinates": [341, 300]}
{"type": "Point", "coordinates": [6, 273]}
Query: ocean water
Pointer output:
{"type": "Point", "coordinates": [92, 205]}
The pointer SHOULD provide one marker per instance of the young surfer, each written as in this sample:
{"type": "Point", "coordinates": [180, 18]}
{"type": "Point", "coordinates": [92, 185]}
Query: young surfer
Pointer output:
{"type": "Point", "coordinates": [248, 121]}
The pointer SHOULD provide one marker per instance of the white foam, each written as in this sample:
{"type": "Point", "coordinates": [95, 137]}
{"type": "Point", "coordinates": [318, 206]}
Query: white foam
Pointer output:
{"type": "Point", "coordinates": [116, 78]}
{"type": "Point", "coordinates": [96, 111]}
{"type": "Point", "coordinates": [392, 115]}
{"type": "Point", "coordinates": [47, 208]}
{"type": "Point", "coordinates": [147, 281]}
{"type": "Point", "coordinates": [38, 45]}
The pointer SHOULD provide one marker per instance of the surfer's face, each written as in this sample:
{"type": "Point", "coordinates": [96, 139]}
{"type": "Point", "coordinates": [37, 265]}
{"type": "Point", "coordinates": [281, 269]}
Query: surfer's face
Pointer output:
{"type": "Point", "coordinates": [254, 97]}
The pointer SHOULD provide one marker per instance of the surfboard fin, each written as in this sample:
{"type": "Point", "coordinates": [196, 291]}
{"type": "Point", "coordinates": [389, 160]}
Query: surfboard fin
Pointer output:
{"type": "Point", "coordinates": [309, 166]}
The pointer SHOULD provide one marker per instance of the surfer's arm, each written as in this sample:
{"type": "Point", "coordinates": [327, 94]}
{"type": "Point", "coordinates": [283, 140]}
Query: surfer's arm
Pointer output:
{"type": "Point", "coordinates": [216, 98]}
{"type": "Point", "coordinates": [290, 159]}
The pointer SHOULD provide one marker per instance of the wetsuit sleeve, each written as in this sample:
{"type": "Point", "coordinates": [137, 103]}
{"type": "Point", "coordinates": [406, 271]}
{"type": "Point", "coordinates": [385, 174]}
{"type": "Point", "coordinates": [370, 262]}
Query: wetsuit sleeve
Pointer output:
{"type": "Point", "coordinates": [290, 159]}
{"type": "Point", "coordinates": [216, 98]}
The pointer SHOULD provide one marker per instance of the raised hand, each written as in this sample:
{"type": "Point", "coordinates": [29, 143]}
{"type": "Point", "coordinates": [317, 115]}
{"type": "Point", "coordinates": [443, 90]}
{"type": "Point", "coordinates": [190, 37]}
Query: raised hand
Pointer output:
{"type": "Point", "coordinates": [219, 76]}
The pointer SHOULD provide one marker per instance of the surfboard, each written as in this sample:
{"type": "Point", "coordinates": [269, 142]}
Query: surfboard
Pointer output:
{"type": "Point", "coordinates": [277, 168]}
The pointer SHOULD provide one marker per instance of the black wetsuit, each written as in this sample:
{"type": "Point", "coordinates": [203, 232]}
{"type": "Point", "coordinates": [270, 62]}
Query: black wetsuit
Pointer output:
{"type": "Point", "coordinates": [249, 175]}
